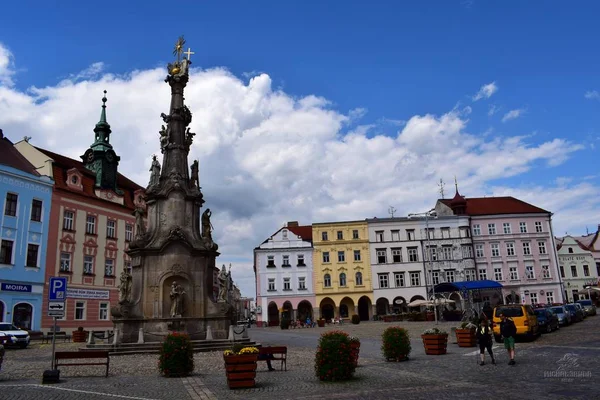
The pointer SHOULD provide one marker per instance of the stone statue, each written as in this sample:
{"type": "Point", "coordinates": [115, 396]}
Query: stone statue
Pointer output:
{"type": "Point", "coordinates": [155, 172]}
{"type": "Point", "coordinates": [223, 282]}
{"type": "Point", "coordinates": [164, 137]}
{"type": "Point", "coordinates": [206, 225]}
{"type": "Point", "coordinates": [140, 227]}
{"type": "Point", "coordinates": [189, 138]}
{"type": "Point", "coordinates": [176, 295]}
{"type": "Point", "coordinates": [126, 282]}
{"type": "Point", "coordinates": [194, 178]}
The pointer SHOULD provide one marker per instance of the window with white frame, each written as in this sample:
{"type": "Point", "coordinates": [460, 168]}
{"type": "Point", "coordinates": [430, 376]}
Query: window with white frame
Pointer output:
{"type": "Point", "coordinates": [506, 228]}
{"type": "Point", "coordinates": [301, 283]}
{"type": "Point", "coordinates": [432, 253]}
{"type": "Point", "coordinates": [495, 249]}
{"type": "Point", "coordinates": [510, 249]}
{"type": "Point", "coordinates": [110, 229]}
{"type": "Point", "coordinates": [449, 276]}
{"type": "Point", "coordinates": [103, 311]}
{"type": "Point", "coordinates": [542, 247]}
{"type": "Point", "coordinates": [464, 232]}
{"type": "Point", "coordinates": [498, 273]}
{"type": "Point", "coordinates": [397, 255]}
{"type": "Point", "coordinates": [482, 274]}
{"type": "Point", "coordinates": [324, 236]}
{"type": "Point", "coordinates": [300, 258]}
{"type": "Point", "coordinates": [526, 249]}
{"type": "Point", "coordinates": [88, 265]}
{"type": "Point", "coordinates": [413, 255]}
{"type": "Point", "coordinates": [109, 267]}
{"type": "Point", "coordinates": [355, 234]}
{"type": "Point", "coordinates": [549, 297]}
{"type": "Point", "coordinates": [435, 277]}
{"type": "Point", "coordinates": [546, 272]}
{"type": "Point", "coordinates": [128, 232]}
{"type": "Point", "coordinates": [415, 279]}
{"type": "Point", "coordinates": [358, 280]}
{"type": "Point", "coordinates": [399, 279]}
{"type": "Point", "coordinates": [271, 284]}
{"type": "Point", "coordinates": [379, 236]}
{"type": "Point", "coordinates": [357, 255]}
{"type": "Point", "coordinates": [467, 251]}
{"type": "Point", "coordinates": [479, 252]}
{"type": "Point", "coordinates": [395, 236]}
{"type": "Point", "coordinates": [447, 252]}
{"type": "Point", "coordinates": [431, 233]}
{"type": "Point", "coordinates": [68, 218]}
{"type": "Point", "coordinates": [529, 272]}
{"type": "Point", "coordinates": [340, 235]}
{"type": "Point", "coordinates": [562, 271]}
{"type": "Point", "coordinates": [574, 271]}
{"type": "Point", "coordinates": [533, 297]}
{"type": "Point", "coordinates": [10, 207]}
{"type": "Point", "coordinates": [492, 229]}
{"type": "Point", "coordinates": [65, 262]}
{"type": "Point", "coordinates": [36, 210]}
{"type": "Point", "coordinates": [523, 227]}
{"type": "Point", "coordinates": [410, 234]}
{"type": "Point", "coordinates": [286, 260]}
{"type": "Point", "coordinates": [270, 261]}
{"type": "Point", "coordinates": [80, 310]}
{"type": "Point", "coordinates": [326, 257]}
{"type": "Point", "coordinates": [90, 225]}
{"type": "Point", "coordinates": [286, 284]}
{"type": "Point", "coordinates": [476, 230]}
{"type": "Point", "coordinates": [341, 256]}
{"type": "Point", "coordinates": [586, 270]}
{"type": "Point", "coordinates": [445, 233]}
{"type": "Point", "coordinates": [514, 274]}
{"type": "Point", "coordinates": [470, 274]}
{"type": "Point", "coordinates": [327, 280]}
{"type": "Point", "coordinates": [383, 281]}
{"type": "Point", "coordinates": [32, 255]}
{"type": "Point", "coordinates": [538, 227]}
{"type": "Point", "coordinates": [343, 282]}
{"type": "Point", "coordinates": [381, 256]}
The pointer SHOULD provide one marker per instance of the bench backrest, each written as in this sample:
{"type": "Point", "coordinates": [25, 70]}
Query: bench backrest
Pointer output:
{"type": "Point", "coordinates": [36, 334]}
{"type": "Point", "coordinates": [81, 354]}
{"type": "Point", "coordinates": [273, 350]}
{"type": "Point", "coordinates": [57, 333]}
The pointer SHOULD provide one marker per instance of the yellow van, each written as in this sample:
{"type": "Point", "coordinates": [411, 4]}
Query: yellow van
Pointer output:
{"type": "Point", "coordinates": [522, 315]}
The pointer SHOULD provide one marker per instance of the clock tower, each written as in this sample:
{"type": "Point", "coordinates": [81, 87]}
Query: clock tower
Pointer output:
{"type": "Point", "coordinates": [100, 158]}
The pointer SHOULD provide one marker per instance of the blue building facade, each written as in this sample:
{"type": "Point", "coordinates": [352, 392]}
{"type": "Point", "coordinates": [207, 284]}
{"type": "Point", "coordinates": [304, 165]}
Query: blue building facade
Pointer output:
{"type": "Point", "coordinates": [25, 201]}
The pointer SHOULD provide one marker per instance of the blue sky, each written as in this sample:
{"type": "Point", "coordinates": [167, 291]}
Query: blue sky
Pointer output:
{"type": "Point", "coordinates": [377, 65]}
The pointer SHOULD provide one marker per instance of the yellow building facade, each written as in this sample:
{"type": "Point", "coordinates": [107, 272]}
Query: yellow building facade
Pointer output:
{"type": "Point", "coordinates": [342, 270]}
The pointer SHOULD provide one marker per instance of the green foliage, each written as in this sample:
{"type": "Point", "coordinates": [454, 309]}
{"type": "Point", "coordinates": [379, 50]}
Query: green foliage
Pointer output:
{"type": "Point", "coordinates": [176, 356]}
{"type": "Point", "coordinates": [237, 347]}
{"type": "Point", "coordinates": [395, 343]}
{"type": "Point", "coordinates": [334, 360]}
{"type": "Point", "coordinates": [434, 331]}
{"type": "Point", "coordinates": [355, 319]}
{"type": "Point", "coordinates": [468, 325]}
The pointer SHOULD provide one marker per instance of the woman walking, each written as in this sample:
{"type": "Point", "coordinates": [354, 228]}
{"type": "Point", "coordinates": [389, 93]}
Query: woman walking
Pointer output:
{"type": "Point", "coordinates": [484, 337]}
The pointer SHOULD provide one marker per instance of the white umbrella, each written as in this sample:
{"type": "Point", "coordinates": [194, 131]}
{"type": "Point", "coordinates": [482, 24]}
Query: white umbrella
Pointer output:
{"type": "Point", "coordinates": [444, 301]}
{"type": "Point", "coordinates": [419, 303]}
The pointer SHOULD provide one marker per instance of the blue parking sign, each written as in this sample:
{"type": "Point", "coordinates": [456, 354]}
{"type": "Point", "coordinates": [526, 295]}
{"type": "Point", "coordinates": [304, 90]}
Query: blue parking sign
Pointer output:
{"type": "Point", "coordinates": [58, 289]}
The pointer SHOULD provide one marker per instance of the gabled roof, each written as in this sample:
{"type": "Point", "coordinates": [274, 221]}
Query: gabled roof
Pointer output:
{"type": "Point", "coordinates": [304, 231]}
{"type": "Point", "coordinates": [585, 242]}
{"type": "Point", "coordinates": [497, 206]}
{"type": "Point", "coordinates": [13, 158]}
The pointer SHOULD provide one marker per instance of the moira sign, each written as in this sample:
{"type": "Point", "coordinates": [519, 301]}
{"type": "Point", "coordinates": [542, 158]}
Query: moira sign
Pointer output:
{"type": "Point", "coordinates": [15, 287]}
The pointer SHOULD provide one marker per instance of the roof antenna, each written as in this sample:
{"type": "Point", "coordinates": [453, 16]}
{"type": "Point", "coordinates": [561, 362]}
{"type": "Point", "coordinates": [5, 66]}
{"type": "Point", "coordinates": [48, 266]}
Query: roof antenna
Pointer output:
{"type": "Point", "coordinates": [587, 231]}
{"type": "Point", "coordinates": [441, 186]}
{"type": "Point", "coordinates": [391, 211]}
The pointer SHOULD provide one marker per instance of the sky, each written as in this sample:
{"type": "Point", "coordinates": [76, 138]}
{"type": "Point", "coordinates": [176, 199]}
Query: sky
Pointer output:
{"type": "Point", "coordinates": [317, 111]}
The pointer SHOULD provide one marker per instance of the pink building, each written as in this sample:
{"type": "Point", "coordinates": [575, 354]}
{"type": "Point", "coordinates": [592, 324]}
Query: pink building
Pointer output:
{"type": "Point", "coordinates": [513, 244]}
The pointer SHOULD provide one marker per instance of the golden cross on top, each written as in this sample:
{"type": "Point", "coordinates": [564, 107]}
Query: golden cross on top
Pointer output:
{"type": "Point", "coordinates": [189, 53]}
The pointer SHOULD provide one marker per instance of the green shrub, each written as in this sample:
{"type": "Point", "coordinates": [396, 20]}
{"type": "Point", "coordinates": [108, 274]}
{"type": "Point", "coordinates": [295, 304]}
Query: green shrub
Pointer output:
{"type": "Point", "coordinates": [334, 360]}
{"type": "Point", "coordinates": [355, 319]}
{"type": "Point", "coordinates": [176, 356]}
{"type": "Point", "coordinates": [395, 343]}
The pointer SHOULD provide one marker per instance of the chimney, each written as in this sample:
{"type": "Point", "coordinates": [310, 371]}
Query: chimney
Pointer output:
{"type": "Point", "coordinates": [292, 223]}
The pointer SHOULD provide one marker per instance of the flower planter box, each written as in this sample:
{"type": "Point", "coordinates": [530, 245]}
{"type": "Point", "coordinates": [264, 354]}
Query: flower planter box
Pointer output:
{"type": "Point", "coordinates": [355, 349]}
{"type": "Point", "coordinates": [435, 344]}
{"type": "Point", "coordinates": [241, 370]}
{"type": "Point", "coordinates": [466, 338]}
{"type": "Point", "coordinates": [80, 336]}
{"type": "Point", "coordinates": [321, 323]}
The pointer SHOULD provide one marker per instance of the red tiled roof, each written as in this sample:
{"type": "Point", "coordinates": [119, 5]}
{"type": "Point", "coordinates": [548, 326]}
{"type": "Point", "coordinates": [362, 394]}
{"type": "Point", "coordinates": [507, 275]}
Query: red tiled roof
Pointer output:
{"type": "Point", "coordinates": [62, 164]}
{"type": "Point", "coordinates": [13, 158]}
{"type": "Point", "coordinates": [497, 206]}
{"type": "Point", "coordinates": [304, 231]}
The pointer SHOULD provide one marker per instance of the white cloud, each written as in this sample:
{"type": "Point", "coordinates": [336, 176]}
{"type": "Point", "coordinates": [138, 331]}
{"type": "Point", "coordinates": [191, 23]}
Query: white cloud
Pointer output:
{"type": "Point", "coordinates": [592, 95]}
{"type": "Point", "coordinates": [493, 109]}
{"type": "Point", "coordinates": [486, 91]}
{"type": "Point", "coordinates": [513, 114]}
{"type": "Point", "coordinates": [267, 157]}
{"type": "Point", "coordinates": [6, 66]}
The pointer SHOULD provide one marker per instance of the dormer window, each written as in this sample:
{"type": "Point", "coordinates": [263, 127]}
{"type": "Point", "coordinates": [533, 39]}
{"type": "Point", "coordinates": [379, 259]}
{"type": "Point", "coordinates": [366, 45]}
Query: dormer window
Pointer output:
{"type": "Point", "coordinates": [74, 179]}
{"type": "Point", "coordinates": [284, 234]}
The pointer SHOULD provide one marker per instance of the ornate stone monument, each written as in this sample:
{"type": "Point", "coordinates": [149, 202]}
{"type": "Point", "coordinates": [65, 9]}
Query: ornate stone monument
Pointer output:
{"type": "Point", "coordinates": [170, 287]}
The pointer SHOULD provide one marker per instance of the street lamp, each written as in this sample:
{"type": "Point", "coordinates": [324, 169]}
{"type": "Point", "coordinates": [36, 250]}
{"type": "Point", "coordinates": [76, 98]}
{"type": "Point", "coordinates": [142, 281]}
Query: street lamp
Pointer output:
{"type": "Point", "coordinates": [427, 214]}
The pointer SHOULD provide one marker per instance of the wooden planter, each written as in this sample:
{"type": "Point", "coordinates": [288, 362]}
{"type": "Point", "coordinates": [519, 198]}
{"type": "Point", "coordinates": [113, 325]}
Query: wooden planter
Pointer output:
{"type": "Point", "coordinates": [354, 349]}
{"type": "Point", "coordinates": [435, 344]}
{"type": "Point", "coordinates": [466, 337]}
{"type": "Point", "coordinates": [320, 323]}
{"type": "Point", "coordinates": [430, 316]}
{"type": "Point", "coordinates": [79, 336]}
{"type": "Point", "coordinates": [240, 370]}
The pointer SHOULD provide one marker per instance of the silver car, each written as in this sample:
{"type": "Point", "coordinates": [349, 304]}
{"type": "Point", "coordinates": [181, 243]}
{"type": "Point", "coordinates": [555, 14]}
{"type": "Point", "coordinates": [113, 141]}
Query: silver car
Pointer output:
{"type": "Point", "coordinates": [564, 316]}
{"type": "Point", "coordinates": [588, 306]}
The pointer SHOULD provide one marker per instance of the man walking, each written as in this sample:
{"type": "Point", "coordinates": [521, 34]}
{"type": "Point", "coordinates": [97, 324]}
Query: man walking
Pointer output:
{"type": "Point", "coordinates": [508, 331]}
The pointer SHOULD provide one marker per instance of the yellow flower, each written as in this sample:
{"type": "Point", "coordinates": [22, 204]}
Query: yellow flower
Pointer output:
{"type": "Point", "coordinates": [228, 353]}
{"type": "Point", "coordinates": [249, 350]}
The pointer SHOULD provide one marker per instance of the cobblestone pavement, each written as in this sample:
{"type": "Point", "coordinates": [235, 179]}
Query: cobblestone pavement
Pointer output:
{"type": "Point", "coordinates": [563, 364]}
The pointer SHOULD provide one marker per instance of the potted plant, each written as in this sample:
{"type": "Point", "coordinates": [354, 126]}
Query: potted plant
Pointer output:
{"type": "Point", "coordinates": [355, 319]}
{"type": "Point", "coordinates": [334, 361]}
{"type": "Point", "coordinates": [176, 356]}
{"type": "Point", "coordinates": [321, 322]}
{"type": "Point", "coordinates": [395, 344]}
{"type": "Point", "coordinates": [465, 335]}
{"type": "Point", "coordinates": [435, 341]}
{"type": "Point", "coordinates": [354, 348]}
{"type": "Point", "coordinates": [240, 366]}
{"type": "Point", "coordinates": [79, 335]}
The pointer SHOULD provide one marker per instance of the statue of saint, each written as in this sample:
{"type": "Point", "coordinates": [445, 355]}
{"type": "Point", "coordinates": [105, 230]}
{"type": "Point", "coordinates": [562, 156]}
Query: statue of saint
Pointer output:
{"type": "Point", "coordinates": [223, 282]}
{"type": "Point", "coordinates": [155, 172]}
{"type": "Point", "coordinates": [176, 295]}
{"type": "Point", "coordinates": [164, 137]}
{"type": "Point", "coordinates": [206, 225]}
{"type": "Point", "coordinates": [195, 178]}
{"type": "Point", "coordinates": [140, 227]}
{"type": "Point", "coordinates": [126, 282]}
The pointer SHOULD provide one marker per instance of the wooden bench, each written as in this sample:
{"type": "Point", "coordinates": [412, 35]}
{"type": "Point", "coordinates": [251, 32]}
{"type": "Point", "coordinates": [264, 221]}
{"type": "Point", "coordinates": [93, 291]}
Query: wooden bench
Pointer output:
{"type": "Point", "coordinates": [279, 353]}
{"type": "Point", "coordinates": [59, 335]}
{"type": "Point", "coordinates": [81, 355]}
{"type": "Point", "coordinates": [36, 335]}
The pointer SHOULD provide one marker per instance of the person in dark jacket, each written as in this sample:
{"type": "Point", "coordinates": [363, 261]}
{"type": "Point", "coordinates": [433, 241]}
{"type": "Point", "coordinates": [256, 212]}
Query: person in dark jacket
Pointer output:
{"type": "Point", "coordinates": [508, 330]}
{"type": "Point", "coordinates": [484, 337]}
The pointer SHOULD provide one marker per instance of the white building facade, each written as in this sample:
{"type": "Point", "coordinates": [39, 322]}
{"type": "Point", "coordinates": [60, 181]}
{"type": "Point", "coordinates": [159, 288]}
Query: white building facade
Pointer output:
{"type": "Point", "coordinates": [577, 268]}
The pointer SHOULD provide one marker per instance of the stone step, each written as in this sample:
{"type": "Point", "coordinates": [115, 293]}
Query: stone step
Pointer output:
{"type": "Point", "coordinates": [154, 347]}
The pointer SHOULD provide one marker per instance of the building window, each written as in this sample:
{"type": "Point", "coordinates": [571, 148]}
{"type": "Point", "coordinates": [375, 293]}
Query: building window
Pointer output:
{"type": "Point", "coordinates": [343, 279]}
{"type": "Point", "coordinates": [325, 256]}
{"type": "Point", "coordinates": [399, 278]}
{"type": "Point", "coordinates": [464, 232]}
{"type": "Point", "coordinates": [492, 229]}
{"type": "Point", "coordinates": [395, 236]}
{"type": "Point", "coordinates": [103, 313]}
{"type": "Point", "coordinates": [542, 247]}
{"type": "Point", "coordinates": [495, 249]}
{"type": "Point", "coordinates": [450, 276]}
{"type": "Point", "coordinates": [324, 236]}
{"type": "Point", "coordinates": [341, 256]}
{"type": "Point", "coordinates": [356, 255]}
{"type": "Point", "coordinates": [109, 267]}
{"type": "Point", "coordinates": [413, 255]}
{"type": "Point", "coordinates": [68, 218]}
{"type": "Point", "coordinates": [526, 249]}
{"type": "Point", "coordinates": [301, 260]}
{"type": "Point", "coordinates": [10, 208]}
{"type": "Point", "coordinates": [415, 279]}
{"type": "Point", "coordinates": [447, 252]}
{"type": "Point", "coordinates": [477, 230]}
{"type": "Point", "coordinates": [435, 277]}
{"type": "Point", "coordinates": [88, 265]}
{"type": "Point", "coordinates": [327, 280]}
{"type": "Point", "coordinates": [286, 261]}
{"type": "Point", "coordinates": [574, 271]}
{"type": "Point", "coordinates": [586, 270]}
{"type": "Point", "coordinates": [127, 266]}
{"type": "Point", "coordinates": [383, 281]}
{"type": "Point", "coordinates": [410, 234]}
{"type": "Point", "coordinates": [128, 232]}
{"type": "Point", "coordinates": [379, 236]}
{"type": "Point", "coordinates": [284, 234]}
{"type": "Point", "coordinates": [546, 271]}
{"type": "Point", "coordinates": [570, 250]}
{"type": "Point", "coordinates": [483, 274]}
{"type": "Point", "coordinates": [445, 233]}
{"type": "Point", "coordinates": [65, 262]}
{"type": "Point", "coordinates": [470, 274]}
{"type": "Point", "coordinates": [110, 229]}
{"type": "Point", "coordinates": [397, 255]}
{"type": "Point", "coordinates": [562, 271]}
{"type": "Point", "coordinates": [381, 256]}
{"type": "Point", "coordinates": [432, 253]}
{"type": "Point", "coordinates": [538, 227]}
{"type": "Point", "coordinates": [270, 261]}
{"type": "Point", "coordinates": [479, 252]}
{"type": "Point", "coordinates": [529, 272]}
{"type": "Point", "coordinates": [514, 274]}
{"type": "Point", "coordinates": [286, 284]}
{"type": "Point", "coordinates": [549, 297]}
{"type": "Point", "coordinates": [358, 279]}
{"type": "Point", "coordinates": [523, 227]}
{"type": "Point", "coordinates": [467, 251]}
{"type": "Point", "coordinates": [340, 235]}
{"type": "Point", "coordinates": [80, 310]}
{"type": "Point", "coordinates": [506, 228]}
{"type": "Point", "coordinates": [355, 234]}
{"type": "Point", "coordinates": [301, 283]}
{"type": "Point", "coordinates": [498, 273]}
{"type": "Point", "coordinates": [36, 210]}
{"type": "Point", "coordinates": [271, 287]}
{"type": "Point", "coordinates": [431, 233]}
{"type": "Point", "coordinates": [510, 249]}
{"type": "Point", "coordinates": [90, 225]}
{"type": "Point", "coordinates": [533, 298]}
{"type": "Point", "coordinates": [32, 255]}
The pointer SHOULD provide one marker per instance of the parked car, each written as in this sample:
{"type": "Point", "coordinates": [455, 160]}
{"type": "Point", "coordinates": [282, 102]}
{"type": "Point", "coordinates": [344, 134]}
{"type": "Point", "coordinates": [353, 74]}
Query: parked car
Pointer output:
{"type": "Point", "coordinates": [564, 316]}
{"type": "Point", "coordinates": [588, 306]}
{"type": "Point", "coordinates": [522, 315]}
{"type": "Point", "coordinates": [16, 336]}
{"type": "Point", "coordinates": [547, 319]}
{"type": "Point", "coordinates": [576, 313]}
{"type": "Point", "coordinates": [582, 309]}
